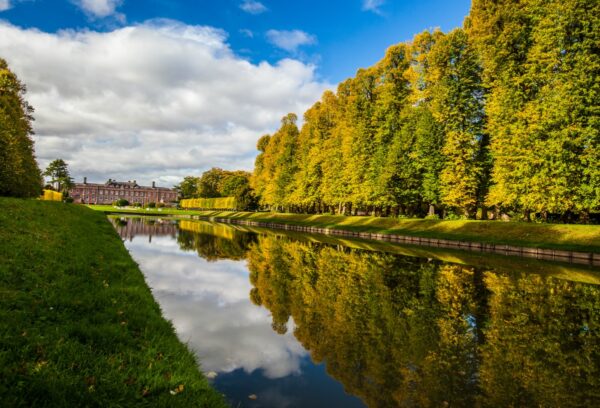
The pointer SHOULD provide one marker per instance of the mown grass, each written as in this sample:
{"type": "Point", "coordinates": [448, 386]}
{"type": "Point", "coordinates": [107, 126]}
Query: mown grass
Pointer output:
{"type": "Point", "coordinates": [553, 236]}
{"type": "Point", "coordinates": [78, 324]}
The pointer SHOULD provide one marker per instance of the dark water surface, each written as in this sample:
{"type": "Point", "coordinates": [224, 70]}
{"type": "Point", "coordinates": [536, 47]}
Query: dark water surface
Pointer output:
{"type": "Point", "coordinates": [290, 320]}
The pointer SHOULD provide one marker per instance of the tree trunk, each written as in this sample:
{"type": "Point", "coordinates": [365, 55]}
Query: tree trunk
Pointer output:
{"type": "Point", "coordinates": [484, 213]}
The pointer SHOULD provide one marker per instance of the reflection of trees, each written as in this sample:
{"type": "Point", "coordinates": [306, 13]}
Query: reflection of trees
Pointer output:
{"type": "Point", "coordinates": [401, 331]}
{"type": "Point", "coordinates": [543, 347]}
{"type": "Point", "coordinates": [213, 242]}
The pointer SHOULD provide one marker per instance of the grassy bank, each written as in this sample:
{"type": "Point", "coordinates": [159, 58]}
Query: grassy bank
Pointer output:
{"type": "Point", "coordinates": [584, 238]}
{"type": "Point", "coordinates": [78, 324]}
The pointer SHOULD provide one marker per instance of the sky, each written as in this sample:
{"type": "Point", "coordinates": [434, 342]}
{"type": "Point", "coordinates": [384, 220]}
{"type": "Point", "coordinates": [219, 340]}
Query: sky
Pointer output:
{"type": "Point", "coordinates": [155, 90]}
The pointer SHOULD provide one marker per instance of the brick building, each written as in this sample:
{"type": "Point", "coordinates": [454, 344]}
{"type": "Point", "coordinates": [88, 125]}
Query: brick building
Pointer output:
{"type": "Point", "coordinates": [111, 191]}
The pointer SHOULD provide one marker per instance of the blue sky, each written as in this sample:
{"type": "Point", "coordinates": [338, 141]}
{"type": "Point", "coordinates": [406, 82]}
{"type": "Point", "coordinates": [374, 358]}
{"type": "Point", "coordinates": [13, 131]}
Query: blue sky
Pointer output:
{"type": "Point", "coordinates": [155, 90]}
{"type": "Point", "coordinates": [348, 34]}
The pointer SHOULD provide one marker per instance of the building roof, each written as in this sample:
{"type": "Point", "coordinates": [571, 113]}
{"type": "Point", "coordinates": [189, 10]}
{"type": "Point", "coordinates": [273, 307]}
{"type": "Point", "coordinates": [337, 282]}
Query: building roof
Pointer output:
{"type": "Point", "coordinates": [122, 184]}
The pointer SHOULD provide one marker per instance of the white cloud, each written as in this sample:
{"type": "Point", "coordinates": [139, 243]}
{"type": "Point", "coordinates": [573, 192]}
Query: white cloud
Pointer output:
{"type": "Point", "coordinates": [373, 5]}
{"type": "Point", "coordinates": [100, 8]}
{"type": "Point", "coordinates": [5, 5]}
{"type": "Point", "coordinates": [253, 7]}
{"type": "Point", "coordinates": [247, 33]}
{"type": "Point", "coordinates": [290, 40]}
{"type": "Point", "coordinates": [156, 101]}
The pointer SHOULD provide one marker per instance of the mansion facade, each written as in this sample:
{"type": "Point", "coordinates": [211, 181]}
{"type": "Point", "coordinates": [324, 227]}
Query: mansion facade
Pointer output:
{"type": "Point", "coordinates": [111, 191]}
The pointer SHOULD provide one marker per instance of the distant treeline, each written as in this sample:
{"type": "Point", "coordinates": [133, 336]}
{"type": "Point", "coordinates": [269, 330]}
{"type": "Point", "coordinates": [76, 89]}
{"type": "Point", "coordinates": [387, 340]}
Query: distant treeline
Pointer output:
{"type": "Point", "coordinates": [501, 115]}
{"type": "Point", "coordinates": [20, 175]}
{"type": "Point", "coordinates": [218, 183]}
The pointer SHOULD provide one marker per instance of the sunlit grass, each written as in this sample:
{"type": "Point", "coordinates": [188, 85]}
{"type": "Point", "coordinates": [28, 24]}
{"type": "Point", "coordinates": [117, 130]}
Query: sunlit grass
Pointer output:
{"type": "Point", "coordinates": [78, 324]}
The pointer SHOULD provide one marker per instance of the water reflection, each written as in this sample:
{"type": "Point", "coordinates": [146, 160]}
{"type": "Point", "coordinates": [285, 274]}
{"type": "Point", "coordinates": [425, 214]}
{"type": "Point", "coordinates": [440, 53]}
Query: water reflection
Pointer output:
{"type": "Point", "coordinates": [208, 303]}
{"type": "Point", "coordinates": [128, 228]}
{"type": "Point", "coordinates": [394, 330]}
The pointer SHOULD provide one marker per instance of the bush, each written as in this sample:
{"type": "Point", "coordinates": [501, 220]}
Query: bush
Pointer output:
{"type": "Point", "coordinates": [160, 205]}
{"type": "Point", "coordinates": [121, 203]}
{"type": "Point", "coordinates": [69, 200]}
{"type": "Point", "coordinates": [137, 204]}
{"type": "Point", "coordinates": [151, 205]}
{"type": "Point", "coordinates": [454, 217]}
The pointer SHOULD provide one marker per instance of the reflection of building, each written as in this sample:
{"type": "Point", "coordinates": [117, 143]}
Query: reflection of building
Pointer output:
{"type": "Point", "coordinates": [128, 228]}
{"type": "Point", "coordinates": [111, 191]}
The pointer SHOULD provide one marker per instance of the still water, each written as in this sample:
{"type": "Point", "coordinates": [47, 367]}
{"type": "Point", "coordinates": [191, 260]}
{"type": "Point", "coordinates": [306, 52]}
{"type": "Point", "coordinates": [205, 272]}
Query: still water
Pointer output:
{"type": "Point", "coordinates": [288, 320]}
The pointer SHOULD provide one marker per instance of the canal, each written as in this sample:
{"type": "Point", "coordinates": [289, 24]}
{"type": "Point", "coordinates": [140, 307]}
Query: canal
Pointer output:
{"type": "Point", "coordinates": [281, 319]}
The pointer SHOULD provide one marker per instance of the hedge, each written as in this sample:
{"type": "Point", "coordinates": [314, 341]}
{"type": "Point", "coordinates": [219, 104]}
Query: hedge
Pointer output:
{"type": "Point", "coordinates": [219, 203]}
{"type": "Point", "coordinates": [50, 195]}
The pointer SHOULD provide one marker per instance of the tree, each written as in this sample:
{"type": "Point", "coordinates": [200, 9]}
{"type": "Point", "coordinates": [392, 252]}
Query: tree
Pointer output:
{"type": "Point", "coordinates": [210, 183]}
{"type": "Point", "coordinates": [457, 104]}
{"type": "Point", "coordinates": [541, 66]}
{"type": "Point", "coordinates": [19, 173]}
{"type": "Point", "coordinates": [59, 175]}
{"type": "Point", "coordinates": [188, 188]}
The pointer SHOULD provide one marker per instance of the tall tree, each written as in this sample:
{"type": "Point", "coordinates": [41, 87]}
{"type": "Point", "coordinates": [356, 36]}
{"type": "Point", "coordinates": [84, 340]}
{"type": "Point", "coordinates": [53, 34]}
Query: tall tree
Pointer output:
{"type": "Point", "coordinates": [19, 173]}
{"type": "Point", "coordinates": [541, 64]}
{"type": "Point", "coordinates": [457, 104]}
{"type": "Point", "coordinates": [60, 178]}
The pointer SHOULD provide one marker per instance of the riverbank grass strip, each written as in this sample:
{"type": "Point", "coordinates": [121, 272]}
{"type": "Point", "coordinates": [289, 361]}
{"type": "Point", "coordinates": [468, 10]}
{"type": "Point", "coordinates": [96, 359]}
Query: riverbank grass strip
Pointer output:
{"type": "Point", "coordinates": [78, 324]}
{"type": "Point", "coordinates": [567, 237]}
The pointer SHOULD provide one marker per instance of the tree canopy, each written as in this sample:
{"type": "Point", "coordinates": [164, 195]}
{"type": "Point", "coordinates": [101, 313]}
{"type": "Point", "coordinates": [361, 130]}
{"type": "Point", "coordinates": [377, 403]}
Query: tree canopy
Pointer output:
{"type": "Point", "coordinates": [502, 114]}
{"type": "Point", "coordinates": [58, 172]}
{"type": "Point", "coordinates": [19, 173]}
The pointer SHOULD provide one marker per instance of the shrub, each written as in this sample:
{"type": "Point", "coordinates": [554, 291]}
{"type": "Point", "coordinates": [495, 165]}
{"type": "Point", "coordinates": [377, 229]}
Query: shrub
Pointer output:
{"type": "Point", "coordinates": [151, 205]}
{"type": "Point", "coordinates": [121, 203]}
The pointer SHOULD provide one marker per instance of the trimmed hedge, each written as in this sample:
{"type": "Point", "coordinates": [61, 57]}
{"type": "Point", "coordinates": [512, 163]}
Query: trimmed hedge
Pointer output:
{"type": "Point", "coordinates": [219, 203]}
{"type": "Point", "coordinates": [50, 195]}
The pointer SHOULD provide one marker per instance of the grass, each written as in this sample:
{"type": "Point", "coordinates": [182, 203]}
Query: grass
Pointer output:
{"type": "Point", "coordinates": [78, 324]}
{"type": "Point", "coordinates": [584, 238]}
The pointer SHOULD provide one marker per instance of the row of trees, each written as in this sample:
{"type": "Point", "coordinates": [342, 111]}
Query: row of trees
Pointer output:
{"type": "Point", "coordinates": [501, 114]}
{"type": "Point", "coordinates": [216, 183]}
{"type": "Point", "coordinates": [20, 175]}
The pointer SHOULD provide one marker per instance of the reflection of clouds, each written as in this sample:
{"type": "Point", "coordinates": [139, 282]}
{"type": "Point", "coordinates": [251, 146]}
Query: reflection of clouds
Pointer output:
{"type": "Point", "coordinates": [273, 397]}
{"type": "Point", "coordinates": [209, 306]}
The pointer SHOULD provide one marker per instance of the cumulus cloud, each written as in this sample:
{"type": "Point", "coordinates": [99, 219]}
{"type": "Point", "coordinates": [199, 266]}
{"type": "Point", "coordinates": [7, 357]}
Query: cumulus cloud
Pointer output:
{"type": "Point", "coordinates": [290, 40]}
{"type": "Point", "coordinates": [156, 101]}
{"type": "Point", "coordinates": [100, 8]}
{"type": "Point", "coordinates": [253, 7]}
{"type": "Point", "coordinates": [373, 5]}
{"type": "Point", "coordinates": [5, 5]}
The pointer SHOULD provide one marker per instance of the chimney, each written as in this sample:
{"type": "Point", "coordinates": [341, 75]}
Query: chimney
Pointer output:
{"type": "Point", "coordinates": [85, 180]}
{"type": "Point", "coordinates": [154, 184]}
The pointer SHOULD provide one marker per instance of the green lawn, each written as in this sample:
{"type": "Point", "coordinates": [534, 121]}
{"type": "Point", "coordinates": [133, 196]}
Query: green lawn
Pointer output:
{"type": "Point", "coordinates": [78, 324]}
{"type": "Point", "coordinates": [555, 236]}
